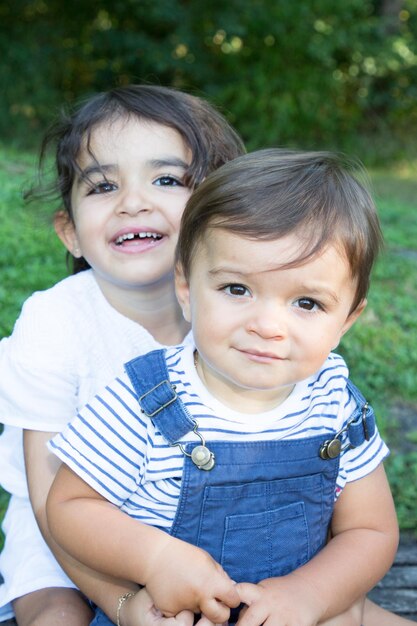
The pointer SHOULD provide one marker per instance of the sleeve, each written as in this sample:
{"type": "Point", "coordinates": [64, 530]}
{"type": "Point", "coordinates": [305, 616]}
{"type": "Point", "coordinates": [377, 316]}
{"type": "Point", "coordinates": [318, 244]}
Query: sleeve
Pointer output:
{"type": "Point", "coordinates": [106, 443]}
{"type": "Point", "coordinates": [38, 382]}
{"type": "Point", "coordinates": [356, 463]}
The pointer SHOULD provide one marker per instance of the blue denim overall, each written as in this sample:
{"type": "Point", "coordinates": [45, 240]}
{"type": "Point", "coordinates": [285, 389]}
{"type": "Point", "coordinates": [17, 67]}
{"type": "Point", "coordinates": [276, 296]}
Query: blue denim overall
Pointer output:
{"type": "Point", "coordinates": [261, 508]}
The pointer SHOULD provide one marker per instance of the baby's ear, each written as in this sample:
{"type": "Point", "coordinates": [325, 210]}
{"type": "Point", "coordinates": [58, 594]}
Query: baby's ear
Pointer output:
{"type": "Point", "coordinates": [65, 229]}
{"type": "Point", "coordinates": [183, 291]}
{"type": "Point", "coordinates": [353, 316]}
{"type": "Point", "coordinates": [350, 320]}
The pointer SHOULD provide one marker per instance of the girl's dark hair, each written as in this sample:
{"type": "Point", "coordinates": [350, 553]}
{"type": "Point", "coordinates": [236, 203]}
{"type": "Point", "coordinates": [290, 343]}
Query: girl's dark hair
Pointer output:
{"type": "Point", "coordinates": [271, 193]}
{"type": "Point", "coordinates": [205, 131]}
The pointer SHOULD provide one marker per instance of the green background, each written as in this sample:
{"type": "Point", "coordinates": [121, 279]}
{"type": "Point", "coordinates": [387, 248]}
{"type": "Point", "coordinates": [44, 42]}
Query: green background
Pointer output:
{"type": "Point", "coordinates": [316, 73]}
{"type": "Point", "coordinates": [307, 74]}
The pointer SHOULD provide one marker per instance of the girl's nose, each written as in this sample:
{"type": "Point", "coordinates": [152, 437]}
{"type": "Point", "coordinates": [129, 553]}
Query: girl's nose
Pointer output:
{"type": "Point", "coordinates": [134, 202]}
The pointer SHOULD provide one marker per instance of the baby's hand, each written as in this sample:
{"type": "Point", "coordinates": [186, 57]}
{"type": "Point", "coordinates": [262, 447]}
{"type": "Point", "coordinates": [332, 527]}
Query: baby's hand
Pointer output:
{"type": "Point", "coordinates": [182, 576]}
{"type": "Point", "coordinates": [284, 601]}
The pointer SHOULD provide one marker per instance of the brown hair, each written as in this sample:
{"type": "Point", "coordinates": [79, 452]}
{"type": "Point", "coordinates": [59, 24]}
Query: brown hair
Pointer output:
{"type": "Point", "coordinates": [270, 193]}
{"type": "Point", "coordinates": [204, 130]}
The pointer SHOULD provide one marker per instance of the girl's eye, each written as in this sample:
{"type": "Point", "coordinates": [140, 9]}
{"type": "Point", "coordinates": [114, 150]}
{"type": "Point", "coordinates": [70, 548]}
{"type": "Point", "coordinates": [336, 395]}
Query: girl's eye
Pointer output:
{"type": "Point", "coordinates": [236, 290]}
{"type": "Point", "coordinates": [103, 187]}
{"type": "Point", "coordinates": [168, 181]}
{"type": "Point", "coordinates": [308, 304]}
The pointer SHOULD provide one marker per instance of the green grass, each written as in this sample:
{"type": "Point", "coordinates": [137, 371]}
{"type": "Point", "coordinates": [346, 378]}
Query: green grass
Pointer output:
{"type": "Point", "coordinates": [381, 349]}
{"type": "Point", "coordinates": [31, 256]}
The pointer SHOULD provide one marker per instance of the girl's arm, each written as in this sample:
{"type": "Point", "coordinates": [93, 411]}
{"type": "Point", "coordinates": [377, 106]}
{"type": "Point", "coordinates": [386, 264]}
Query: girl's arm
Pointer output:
{"type": "Point", "coordinates": [103, 590]}
{"type": "Point", "coordinates": [177, 575]}
{"type": "Point", "coordinates": [362, 549]}
{"type": "Point", "coordinates": [41, 468]}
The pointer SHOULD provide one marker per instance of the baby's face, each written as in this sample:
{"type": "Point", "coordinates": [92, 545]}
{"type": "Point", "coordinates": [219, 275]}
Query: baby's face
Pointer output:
{"type": "Point", "coordinates": [260, 327]}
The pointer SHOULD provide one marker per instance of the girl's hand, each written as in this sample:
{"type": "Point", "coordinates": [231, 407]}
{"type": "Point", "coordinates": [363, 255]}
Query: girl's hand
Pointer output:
{"type": "Point", "coordinates": [204, 621]}
{"type": "Point", "coordinates": [139, 610]}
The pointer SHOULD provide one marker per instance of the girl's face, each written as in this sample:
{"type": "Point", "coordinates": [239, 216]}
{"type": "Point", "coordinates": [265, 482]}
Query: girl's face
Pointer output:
{"type": "Point", "coordinates": [127, 204]}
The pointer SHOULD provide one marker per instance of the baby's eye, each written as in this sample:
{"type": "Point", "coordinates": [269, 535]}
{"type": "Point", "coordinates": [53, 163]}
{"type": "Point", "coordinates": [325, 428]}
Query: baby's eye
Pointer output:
{"type": "Point", "coordinates": [168, 181]}
{"type": "Point", "coordinates": [308, 304]}
{"type": "Point", "coordinates": [103, 187]}
{"type": "Point", "coordinates": [236, 290]}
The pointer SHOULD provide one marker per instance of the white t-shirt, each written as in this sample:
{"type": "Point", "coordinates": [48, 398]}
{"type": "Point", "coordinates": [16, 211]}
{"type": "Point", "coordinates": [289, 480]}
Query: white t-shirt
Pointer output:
{"type": "Point", "coordinates": [67, 343]}
{"type": "Point", "coordinates": [119, 452]}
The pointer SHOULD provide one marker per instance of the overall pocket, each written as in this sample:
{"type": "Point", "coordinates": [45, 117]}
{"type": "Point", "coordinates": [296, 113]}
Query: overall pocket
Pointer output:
{"type": "Point", "coordinates": [263, 529]}
{"type": "Point", "coordinates": [262, 545]}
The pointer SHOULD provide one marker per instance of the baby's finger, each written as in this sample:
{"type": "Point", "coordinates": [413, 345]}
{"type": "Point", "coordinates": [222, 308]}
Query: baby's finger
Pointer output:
{"type": "Point", "coordinates": [184, 618]}
{"type": "Point", "coordinates": [248, 593]}
{"type": "Point", "coordinates": [228, 594]}
{"type": "Point", "coordinates": [215, 611]}
{"type": "Point", "coordinates": [253, 615]}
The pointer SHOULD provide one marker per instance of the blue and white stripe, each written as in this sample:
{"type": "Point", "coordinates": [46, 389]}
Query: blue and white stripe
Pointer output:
{"type": "Point", "coordinates": [119, 453]}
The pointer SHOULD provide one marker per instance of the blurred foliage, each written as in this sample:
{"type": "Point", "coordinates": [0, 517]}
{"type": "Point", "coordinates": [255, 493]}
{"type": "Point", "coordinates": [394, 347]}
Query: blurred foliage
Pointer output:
{"type": "Point", "coordinates": [312, 73]}
{"type": "Point", "coordinates": [402, 472]}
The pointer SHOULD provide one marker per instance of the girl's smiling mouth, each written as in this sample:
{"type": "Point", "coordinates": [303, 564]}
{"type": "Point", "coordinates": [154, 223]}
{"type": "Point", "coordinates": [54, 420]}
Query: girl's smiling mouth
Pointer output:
{"type": "Point", "coordinates": [134, 239]}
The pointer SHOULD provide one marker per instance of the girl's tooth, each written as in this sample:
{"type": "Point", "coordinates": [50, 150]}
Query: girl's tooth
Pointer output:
{"type": "Point", "coordinates": [141, 235]}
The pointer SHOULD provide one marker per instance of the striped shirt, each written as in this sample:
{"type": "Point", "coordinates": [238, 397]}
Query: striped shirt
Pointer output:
{"type": "Point", "coordinates": [119, 452]}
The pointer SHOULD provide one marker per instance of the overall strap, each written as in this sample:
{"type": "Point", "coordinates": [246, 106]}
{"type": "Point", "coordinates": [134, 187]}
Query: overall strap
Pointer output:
{"type": "Point", "coordinates": [360, 428]}
{"type": "Point", "coordinates": [362, 425]}
{"type": "Point", "coordinates": [157, 396]}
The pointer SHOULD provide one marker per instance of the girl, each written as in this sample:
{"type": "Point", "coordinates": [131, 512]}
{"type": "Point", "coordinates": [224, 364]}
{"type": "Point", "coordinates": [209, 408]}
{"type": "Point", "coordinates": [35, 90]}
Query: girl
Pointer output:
{"type": "Point", "coordinates": [126, 162]}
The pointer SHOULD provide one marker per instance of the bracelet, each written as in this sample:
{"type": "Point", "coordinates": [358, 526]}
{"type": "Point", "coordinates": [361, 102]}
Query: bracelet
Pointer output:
{"type": "Point", "coordinates": [120, 603]}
